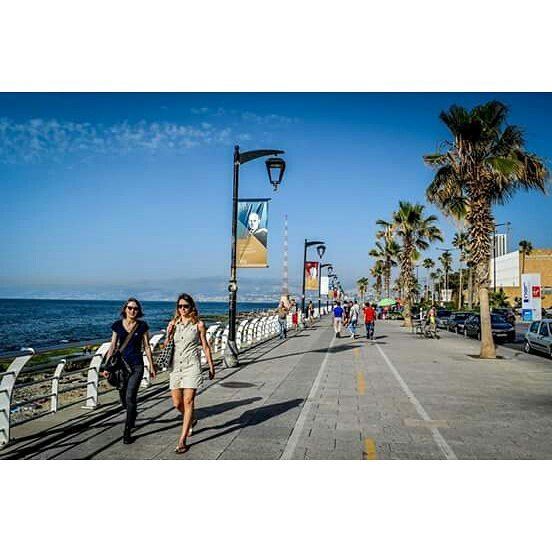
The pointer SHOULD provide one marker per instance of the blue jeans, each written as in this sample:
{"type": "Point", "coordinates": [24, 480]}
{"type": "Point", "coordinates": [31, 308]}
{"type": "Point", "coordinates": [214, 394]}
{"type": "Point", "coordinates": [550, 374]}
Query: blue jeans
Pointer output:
{"type": "Point", "coordinates": [369, 330]}
{"type": "Point", "coordinates": [283, 327]}
{"type": "Point", "coordinates": [352, 326]}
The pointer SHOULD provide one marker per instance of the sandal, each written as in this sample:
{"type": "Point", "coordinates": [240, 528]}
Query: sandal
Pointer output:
{"type": "Point", "coordinates": [181, 449]}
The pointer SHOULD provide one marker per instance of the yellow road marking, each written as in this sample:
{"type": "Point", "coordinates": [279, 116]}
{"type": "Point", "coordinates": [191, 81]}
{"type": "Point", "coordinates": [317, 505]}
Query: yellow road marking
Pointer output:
{"type": "Point", "coordinates": [369, 452]}
{"type": "Point", "coordinates": [361, 383]}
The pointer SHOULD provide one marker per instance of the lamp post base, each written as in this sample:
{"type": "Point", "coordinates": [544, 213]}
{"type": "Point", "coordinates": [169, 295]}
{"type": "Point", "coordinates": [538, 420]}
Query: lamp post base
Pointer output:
{"type": "Point", "coordinates": [231, 355]}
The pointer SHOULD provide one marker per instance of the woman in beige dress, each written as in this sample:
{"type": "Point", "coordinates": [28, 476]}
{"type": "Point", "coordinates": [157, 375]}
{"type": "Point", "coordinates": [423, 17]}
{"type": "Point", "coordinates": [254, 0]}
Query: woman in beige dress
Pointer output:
{"type": "Point", "coordinates": [189, 336]}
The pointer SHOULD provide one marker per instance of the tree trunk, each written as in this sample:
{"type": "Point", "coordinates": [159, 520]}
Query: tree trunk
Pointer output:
{"type": "Point", "coordinates": [460, 291]}
{"type": "Point", "coordinates": [470, 288]}
{"type": "Point", "coordinates": [488, 349]}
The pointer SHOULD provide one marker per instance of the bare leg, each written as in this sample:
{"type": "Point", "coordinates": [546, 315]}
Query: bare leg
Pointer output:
{"type": "Point", "coordinates": [177, 396]}
{"type": "Point", "coordinates": [189, 395]}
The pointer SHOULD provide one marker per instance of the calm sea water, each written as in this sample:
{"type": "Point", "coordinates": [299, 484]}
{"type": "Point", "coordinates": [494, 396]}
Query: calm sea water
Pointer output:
{"type": "Point", "coordinates": [44, 323]}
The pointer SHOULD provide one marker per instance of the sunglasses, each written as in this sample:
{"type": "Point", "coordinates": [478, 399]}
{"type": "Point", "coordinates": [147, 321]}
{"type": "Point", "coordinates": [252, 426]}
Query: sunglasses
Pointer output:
{"type": "Point", "coordinates": [133, 309]}
{"type": "Point", "coordinates": [184, 306]}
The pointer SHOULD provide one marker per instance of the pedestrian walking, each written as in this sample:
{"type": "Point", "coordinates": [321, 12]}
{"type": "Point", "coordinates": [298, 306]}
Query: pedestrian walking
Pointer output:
{"type": "Point", "coordinates": [129, 337]}
{"type": "Point", "coordinates": [337, 318]}
{"type": "Point", "coordinates": [346, 312]}
{"type": "Point", "coordinates": [354, 315]}
{"type": "Point", "coordinates": [310, 313]}
{"type": "Point", "coordinates": [189, 335]}
{"type": "Point", "coordinates": [294, 314]}
{"type": "Point", "coordinates": [370, 316]}
{"type": "Point", "coordinates": [282, 320]}
{"type": "Point", "coordinates": [431, 322]}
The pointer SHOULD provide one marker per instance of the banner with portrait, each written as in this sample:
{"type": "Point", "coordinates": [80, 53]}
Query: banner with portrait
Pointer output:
{"type": "Point", "coordinates": [311, 275]}
{"type": "Point", "coordinates": [252, 234]}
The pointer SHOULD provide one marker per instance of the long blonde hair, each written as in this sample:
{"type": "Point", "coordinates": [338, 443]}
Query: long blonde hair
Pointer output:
{"type": "Point", "coordinates": [193, 312]}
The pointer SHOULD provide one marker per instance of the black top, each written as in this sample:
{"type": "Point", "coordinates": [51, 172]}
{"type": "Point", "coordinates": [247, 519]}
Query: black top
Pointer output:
{"type": "Point", "coordinates": [133, 351]}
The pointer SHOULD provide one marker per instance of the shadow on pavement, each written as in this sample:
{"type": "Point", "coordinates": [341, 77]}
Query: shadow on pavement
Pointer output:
{"type": "Point", "coordinates": [249, 418]}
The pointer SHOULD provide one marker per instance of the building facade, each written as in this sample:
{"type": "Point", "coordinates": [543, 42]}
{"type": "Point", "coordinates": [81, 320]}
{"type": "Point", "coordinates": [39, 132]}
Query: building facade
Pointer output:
{"type": "Point", "coordinates": [510, 266]}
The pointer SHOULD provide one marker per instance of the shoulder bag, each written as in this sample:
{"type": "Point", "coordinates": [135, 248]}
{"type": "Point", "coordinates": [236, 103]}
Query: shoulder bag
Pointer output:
{"type": "Point", "coordinates": [165, 357]}
{"type": "Point", "coordinates": [117, 366]}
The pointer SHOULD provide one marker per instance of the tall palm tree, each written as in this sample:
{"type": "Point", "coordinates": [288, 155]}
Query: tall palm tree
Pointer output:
{"type": "Point", "coordinates": [386, 251]}
{"type": "Point", "coordinates": [525, 248]}
{"type": "Point", "coordinates": [415, 232]}
{"type": "Point", "coordinates": [446, 262]}
{"type": "Point", "coordinates": [377, 272]}
{"type": "Point", "coordinates": [428, 264]}
{"type": "Point", "coordinates": [438, 275]}
{"type": "Point", "coordinates": [485, 163]}
{"type": "Point", "coordinates": [362, 284]}
{"type": "Point", "coordinates": [460, 241]}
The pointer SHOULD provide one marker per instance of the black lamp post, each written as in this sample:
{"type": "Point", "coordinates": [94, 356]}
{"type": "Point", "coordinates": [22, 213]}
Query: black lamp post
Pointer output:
{"type": "Point", "coordinates": [329, 267]}
{"type": "Point", "coordinates": [320, 250]}
{"type": "Point", "coordinates": [275, 168]}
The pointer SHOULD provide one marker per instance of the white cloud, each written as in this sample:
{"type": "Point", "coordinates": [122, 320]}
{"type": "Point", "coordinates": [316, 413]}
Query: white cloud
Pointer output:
{"type": "Point", "coordinates": [38, 139]}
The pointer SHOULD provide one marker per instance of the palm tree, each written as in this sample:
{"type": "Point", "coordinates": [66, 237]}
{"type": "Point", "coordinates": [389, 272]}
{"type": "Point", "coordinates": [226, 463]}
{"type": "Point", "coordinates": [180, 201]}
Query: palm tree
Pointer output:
{"type": "Point", "coordinates": [485, 163]}
{"type": "Point", "coordinates": [460, 241]}
{"type": "Point", "coordinates": [415, 231]}
{"type": "Point", "coordinates": [386, 251]}
{"type": "Point", "coordinates": [438, 275]}
{"type": "Point", "coordinates": [525, 248]}
{"type": "Point", "coordinates": [362, 284]}
{"type": "Point", "coordinates": [428, 264]}
{"type": "Point", "coordinates": [377, 272]}
{"type": "Point", "coordinates": [446, 262]}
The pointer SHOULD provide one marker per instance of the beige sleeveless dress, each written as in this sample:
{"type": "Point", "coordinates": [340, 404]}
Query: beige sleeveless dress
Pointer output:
{"type": "Point", "coordinates": [186, 363]}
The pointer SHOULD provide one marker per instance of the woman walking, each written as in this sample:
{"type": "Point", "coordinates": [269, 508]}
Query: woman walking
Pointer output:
{"type": "Point", "coordinates": [189, 335]}
{"type": "Point", "coordinates": [134, 332]}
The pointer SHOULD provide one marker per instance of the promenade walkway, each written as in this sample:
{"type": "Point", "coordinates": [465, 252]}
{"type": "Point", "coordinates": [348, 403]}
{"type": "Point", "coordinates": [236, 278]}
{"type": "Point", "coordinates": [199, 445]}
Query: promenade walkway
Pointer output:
{"type": "Point", "coordinates": [317, 397]}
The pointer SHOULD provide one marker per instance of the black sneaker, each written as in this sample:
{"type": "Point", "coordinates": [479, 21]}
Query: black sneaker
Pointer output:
{"type": "Point", "coordinates": [127, 437]}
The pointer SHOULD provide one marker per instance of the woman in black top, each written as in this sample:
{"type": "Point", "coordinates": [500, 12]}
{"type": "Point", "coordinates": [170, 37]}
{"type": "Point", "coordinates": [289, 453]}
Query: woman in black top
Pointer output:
{"type": "Point", "coordinates": [132, 354]}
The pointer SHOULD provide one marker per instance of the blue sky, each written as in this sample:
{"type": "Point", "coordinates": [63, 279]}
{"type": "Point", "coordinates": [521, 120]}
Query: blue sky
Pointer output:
{"type": "Point", "coordinates": [108, 193]}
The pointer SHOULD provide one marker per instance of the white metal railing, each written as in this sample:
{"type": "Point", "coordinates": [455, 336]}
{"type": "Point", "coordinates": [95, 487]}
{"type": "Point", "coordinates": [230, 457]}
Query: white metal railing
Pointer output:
{"type": "Point", "coordinates": [249, 332]}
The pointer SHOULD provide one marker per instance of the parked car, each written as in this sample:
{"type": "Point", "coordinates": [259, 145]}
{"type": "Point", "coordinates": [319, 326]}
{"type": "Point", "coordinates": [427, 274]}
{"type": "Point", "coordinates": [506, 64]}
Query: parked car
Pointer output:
{"type": "Point", "coordinates": [508, 314]}
{"type": "Point", "coordinates": [539, 337]}
{"type": "Point", "coordinates": [499, 327]}
{"type": "Point", "coordinates": [442, 317]}
{"type": "Point", "coordinates": [456, 321]}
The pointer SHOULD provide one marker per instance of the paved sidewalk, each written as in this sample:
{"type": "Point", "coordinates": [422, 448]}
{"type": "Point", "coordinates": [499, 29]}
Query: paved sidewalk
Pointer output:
{"type": "Point", "coordinates": [317, 397]}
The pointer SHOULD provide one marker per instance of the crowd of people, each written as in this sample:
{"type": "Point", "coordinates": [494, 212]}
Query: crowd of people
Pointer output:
{"type": "Point", "coordinates": [348, 316]}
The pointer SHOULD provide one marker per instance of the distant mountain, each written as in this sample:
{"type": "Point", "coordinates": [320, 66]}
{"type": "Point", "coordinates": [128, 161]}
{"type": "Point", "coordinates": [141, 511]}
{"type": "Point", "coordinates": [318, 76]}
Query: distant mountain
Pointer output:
{"type": "Point", "coordinates": [210, 288]}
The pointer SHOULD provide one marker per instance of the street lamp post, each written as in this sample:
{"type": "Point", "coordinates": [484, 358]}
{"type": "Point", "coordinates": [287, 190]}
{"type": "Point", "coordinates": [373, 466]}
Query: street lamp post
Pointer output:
{"type": "Point", "coordinates": [507, 224]}
{"type": "Point", "coordinates": [275, 167]}
{"type": "Point", "coordinates": [321, 250]}
{"type": "Point", "coordinates": [329, 267]}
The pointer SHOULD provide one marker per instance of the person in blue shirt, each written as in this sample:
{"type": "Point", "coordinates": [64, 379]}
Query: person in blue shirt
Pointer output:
{"type": "Point", "coordinates": [337, 318]}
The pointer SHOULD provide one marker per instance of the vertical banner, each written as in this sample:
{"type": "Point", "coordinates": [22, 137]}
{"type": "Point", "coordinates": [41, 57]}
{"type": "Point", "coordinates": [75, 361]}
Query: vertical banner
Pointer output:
{"type": "Point", "coordinates": [530, 297]}
{"type": "Point", "coordinates": [324, 285]}
{"type": "Point", "coordinates": [252, 233]}
{"type": "Point", "coordinates": [311, 275]}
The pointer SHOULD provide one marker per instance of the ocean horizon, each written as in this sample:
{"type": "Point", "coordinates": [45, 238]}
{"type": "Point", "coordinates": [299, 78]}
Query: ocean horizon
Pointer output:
{"type": "Point", "coordinates": [43, 323]}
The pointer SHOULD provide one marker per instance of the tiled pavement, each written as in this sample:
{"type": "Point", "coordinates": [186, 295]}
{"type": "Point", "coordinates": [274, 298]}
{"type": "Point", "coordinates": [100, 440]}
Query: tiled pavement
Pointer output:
{"type": "Point", "coordinates": [316, 397]}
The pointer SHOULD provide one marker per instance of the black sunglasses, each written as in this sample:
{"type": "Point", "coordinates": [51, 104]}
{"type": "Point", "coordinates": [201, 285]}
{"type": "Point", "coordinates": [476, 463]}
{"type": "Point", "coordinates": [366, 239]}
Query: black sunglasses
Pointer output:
{"type": "Point", "coordinates": [133, 308]}
{"type": "Point", "coordinates": [184, 306]}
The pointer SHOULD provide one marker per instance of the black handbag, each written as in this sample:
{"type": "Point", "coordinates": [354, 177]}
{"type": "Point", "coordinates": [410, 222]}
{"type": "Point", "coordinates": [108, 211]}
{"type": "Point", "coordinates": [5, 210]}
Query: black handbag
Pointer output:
{"type": "Point", "coordinates": [117, 367]}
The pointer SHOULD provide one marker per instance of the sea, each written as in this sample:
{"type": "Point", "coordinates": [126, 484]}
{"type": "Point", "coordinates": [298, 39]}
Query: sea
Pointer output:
{"type": "Point", "coordinates": [50, 323]}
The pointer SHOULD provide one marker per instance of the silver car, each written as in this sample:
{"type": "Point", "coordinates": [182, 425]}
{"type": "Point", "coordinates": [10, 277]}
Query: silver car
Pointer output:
{"type": "Point", "coordinates": [539, 337]}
